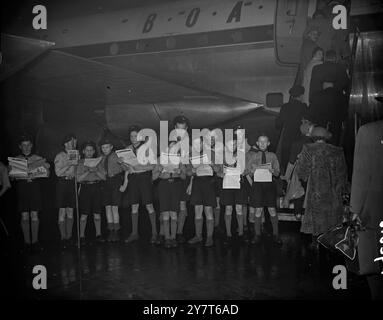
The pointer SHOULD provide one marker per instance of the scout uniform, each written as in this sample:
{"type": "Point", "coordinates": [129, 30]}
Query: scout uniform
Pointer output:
{"type": "Point", "coordinates": [140, 190]}
{"type": "Point", "coordinates": [90, 194]}
{"type": "Point", "coordinates": [233, 197]}
{"type": "Point", "coordinates": [110, 190]}
{"type": "Point", "coordinates": [203, 196]}
{"type": "Point", "coordinates": [29, 201]}
{"type": "Point", "coordinates": [65, 193]}
{"type": "Point", "coordinates": [263, 194]}
{"type": "Point", "coordinates": [169, 190]}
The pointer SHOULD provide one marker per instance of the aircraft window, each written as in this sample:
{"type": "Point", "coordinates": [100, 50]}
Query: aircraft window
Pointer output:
{"type": "Point", "coordinates": [203, 40]}
{"type": "Point", "coordinates": [124, 20]}
{"type": "Point", "coordinates": [248, 3]}
{"type": "Point", "coordinates": [260, 7]}
{"type": "Point", "coordinates": [170, 19]}
{"type": "Point", "coordinates": [114, 48]}
{"type": "Point", "coordinates": [214, 13]}
{"type": "Point", "coordinates": [181, 13]}
{"type": "Point", "coordinates": [237, 36]}
{"type": "Point", "coordinates": [291, 8]}
{"type": "Point", "coordinates": [171, 43]}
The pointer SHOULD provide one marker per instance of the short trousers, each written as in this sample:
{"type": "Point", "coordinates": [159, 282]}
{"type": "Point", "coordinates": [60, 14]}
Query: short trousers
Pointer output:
{"type": "Point", "coordinates": [203, 191]}
{"type": "Point", "coordinates": [169, 192]}
{"type": "Point", "coordinates": [90, 198]}
{"type": "Point", "coordinates": [28, 196]}
{"type": "Point", "coordinates": [230, 197]}
{"type": "Point", "coordinates": [65, 193]}
{"type": "Point", "coordinates": [140, 188]}
{"type": "Point", "coordinates": [110, 190]}
{"type": "Point", "coordinates": [263, 194]}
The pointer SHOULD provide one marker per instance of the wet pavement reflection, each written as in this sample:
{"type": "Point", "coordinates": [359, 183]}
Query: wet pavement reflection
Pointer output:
{"type": "Point", "coordinates": [144, 271]}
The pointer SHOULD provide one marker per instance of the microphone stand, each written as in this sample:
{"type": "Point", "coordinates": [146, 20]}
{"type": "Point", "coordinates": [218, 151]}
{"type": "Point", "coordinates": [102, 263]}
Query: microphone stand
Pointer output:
{"type": "Point", "coordinates": [78, 230]}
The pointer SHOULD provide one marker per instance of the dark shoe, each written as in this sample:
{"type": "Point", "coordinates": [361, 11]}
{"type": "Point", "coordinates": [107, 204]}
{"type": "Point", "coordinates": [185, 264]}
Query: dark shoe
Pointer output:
{"type": "Point", "coordinates": [100, 239]}
{"type": "Point", "coordinates": [256, 240]}
{"type": "Point", "coordinates": [227, 240]}
{"type": "Point", "coordinates": [209, 242]}
{"type": "Point", "coordinates": [195, 240]}
{"type": "Point", "coordinates": [70, 242]}
{"type": "Point", "coordinates": [110, 236]}
{"type": "Point", "coordinates": [63, 244]}
{"type": "Point", "coordinates": [168, 244]}
{"type": "Point", "coordinates": [174, 243]}
{"type": "Point", "coordinates": [180, 238]}
{"type": "Point", "coordinates": [133, 237]}
{"type": "Point", "coordinates": [240, 239]}
{"type": "Point", "coordinates": [83, 242]}
{"type": "Point", "coordinates": [277, 240]}
{"type": "Point", "coordinates": [116, 236]}
{"type": "Point", "coordinates": [155, 239]}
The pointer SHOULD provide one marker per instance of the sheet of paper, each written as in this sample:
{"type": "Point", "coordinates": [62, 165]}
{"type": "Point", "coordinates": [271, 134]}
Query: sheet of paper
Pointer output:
{"type": "Point", "coordinates": [19, 167]}
{"type": "Point", "coordinates": [92, 163]}
{"type": "Point", "coordinates": [262, 175]}
{"type": "Point", "coordinates": [232, 178]}
{"type": "Point", "coordinates": [170, 162]}
{"type": "Point", "coordinates": [39, 172]}
{"type": "Point", "coordinates": [128, 156]}
{"type": "Point", "coordinates": [204, 170]}
{"type": "Point", "coordinates": [199, 160]}
{"type": "Point", "coordinates": [73, 155]}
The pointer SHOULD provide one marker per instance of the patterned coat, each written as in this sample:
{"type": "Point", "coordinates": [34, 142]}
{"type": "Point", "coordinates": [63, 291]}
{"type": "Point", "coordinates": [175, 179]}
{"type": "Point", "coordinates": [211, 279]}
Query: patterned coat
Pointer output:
{"type": "Point", "coordinates": [324, 167]}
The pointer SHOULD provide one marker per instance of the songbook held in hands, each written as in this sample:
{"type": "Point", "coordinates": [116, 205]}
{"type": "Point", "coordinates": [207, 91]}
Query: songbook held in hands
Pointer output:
{"type": "Point", "coordinates": [92, 162]}
{"type": "Point", "coordinates": [199, 160]}
{"type": "Point", "coordinates": [170, 162]}
{"type": "Point", "coordinates": [262, 173]}
{"type": "Point", "coordinates": [128, 156]}
{"type": "Point", "coordinates": [19, 167]}
{"type": "Point", "coordinates": [232, 178]}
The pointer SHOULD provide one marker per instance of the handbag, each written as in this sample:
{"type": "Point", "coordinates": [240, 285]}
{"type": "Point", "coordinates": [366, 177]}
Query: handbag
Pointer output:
{"type": "Point", "coordinates": [341, 238]}
{"type": "Point", "coordinates": [367, 251]}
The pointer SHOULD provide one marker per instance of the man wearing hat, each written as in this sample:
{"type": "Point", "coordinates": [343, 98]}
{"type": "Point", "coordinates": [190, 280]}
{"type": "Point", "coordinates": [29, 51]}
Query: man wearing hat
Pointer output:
{"type": "Point", "coordinates": [328, 109]}
{"type": "Point", "coordinates": [289, 121]}
{"type": "Point", "coordinates": [329, 68]}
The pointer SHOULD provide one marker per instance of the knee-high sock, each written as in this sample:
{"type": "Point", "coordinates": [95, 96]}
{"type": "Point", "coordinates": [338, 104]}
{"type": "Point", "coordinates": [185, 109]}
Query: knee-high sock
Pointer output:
{"type": "Point", "coordinates": [217, 213]}
{"type": "Point", "coordinates": [69, 227]}
{"type": "Point", "coordinates": [274, 223]}
{"type": "Point", "coordinates": [162, 232]}
{"type": "Point", "coordinates": [83, 221]}
{"type": "Point", "coordinates": [181, 221]}
{"type": "Point", "coordinates": [62, 229]}
{"type": "Point", "coordinates": [97, 225]}
{"type": "Point", "coordinates": [166, 229]}
{"type": "Point", "coordinates": [244, 211]}
{"type": "Point", "coordinates": [135, 223]}
{"type": "Point", "coordinates": [26, 233]}
{"type": "Point", "coordinates": [228, 224]}
{"type": "Point", "coordinates": [240, 224]}
{"type": "Point", "coordinates": [35, 231]}
{"type": "Point", "coordinates": [173, 228]}
{"type": "Point", "coordinates": [198, 227]}
{"type": "Point", "coordinates": [152, 217]}
{"type": "Point", "coordinates": [209, 228]}
{"type": "Point", "coordinates": [257, 225]}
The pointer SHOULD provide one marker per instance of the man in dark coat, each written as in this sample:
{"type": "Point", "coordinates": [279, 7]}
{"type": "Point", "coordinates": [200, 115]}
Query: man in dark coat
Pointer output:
{"type": "Point", "coordinates": [329, 69]}
{"type": "Point", "coordinates": [288, 121]}
{"type": "Point", "coordinates": [328, 109]}
{"type": "Point", "coordinates": [367, 189]}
